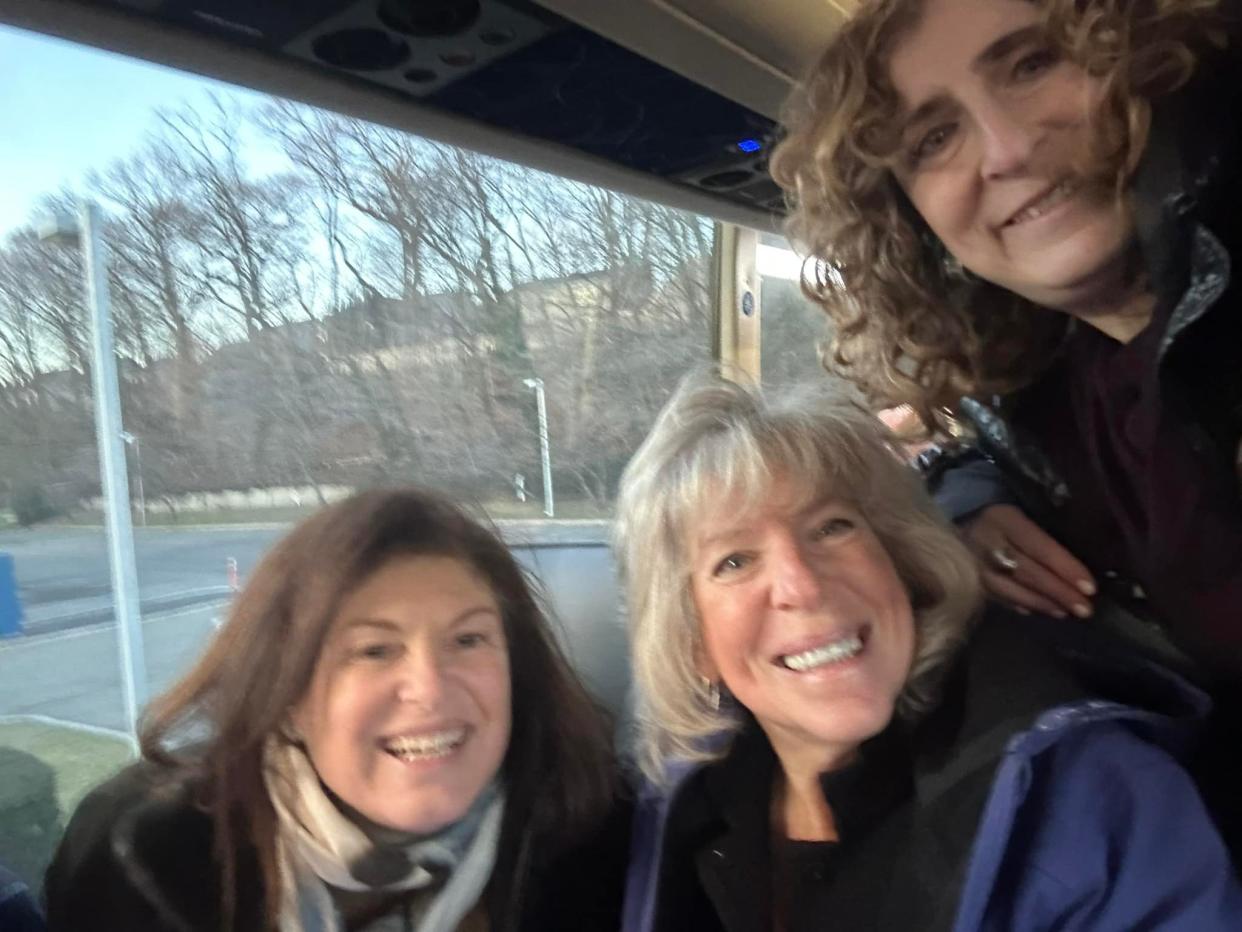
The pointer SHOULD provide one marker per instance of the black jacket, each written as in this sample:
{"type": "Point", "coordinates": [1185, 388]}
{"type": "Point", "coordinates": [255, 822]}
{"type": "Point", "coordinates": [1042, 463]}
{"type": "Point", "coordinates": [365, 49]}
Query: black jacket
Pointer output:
{"type": "Point", "coordinates": [912, 814]}
{"type": "Point", "coordinates": [137, 855]}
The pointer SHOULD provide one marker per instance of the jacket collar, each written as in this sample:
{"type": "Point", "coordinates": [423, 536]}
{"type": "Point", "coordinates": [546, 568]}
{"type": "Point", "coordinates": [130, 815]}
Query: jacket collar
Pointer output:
{"type": "Point", "coordinates": [734, 864]}
{"type": "Point", "coordinates": [1186, 176]}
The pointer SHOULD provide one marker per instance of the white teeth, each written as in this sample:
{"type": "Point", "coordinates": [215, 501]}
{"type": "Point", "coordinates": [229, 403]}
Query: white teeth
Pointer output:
{"type": "Point", "coordinates": [835, 652]}
{"type": "Point", "coordinates": [420, 747]}
{"type": "Point", "coordinates": [1045, 203]}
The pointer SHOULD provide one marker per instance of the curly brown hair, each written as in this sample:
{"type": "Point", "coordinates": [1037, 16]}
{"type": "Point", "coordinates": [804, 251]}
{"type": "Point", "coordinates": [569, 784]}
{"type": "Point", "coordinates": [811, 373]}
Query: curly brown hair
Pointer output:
{"type": "Point", "coordinates": [908, 329]}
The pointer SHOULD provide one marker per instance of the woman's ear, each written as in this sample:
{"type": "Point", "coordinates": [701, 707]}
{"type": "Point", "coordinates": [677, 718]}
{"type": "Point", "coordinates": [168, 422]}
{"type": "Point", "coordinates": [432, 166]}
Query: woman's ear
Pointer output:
{"type": "Point", "coordinates": [292, 729]}
{"type": "Point", "coordinates": [704, 666]}
{"type": "Point", "coordinates": [703, 663]}
{"type": "Point", "coordinates": [709, 674]}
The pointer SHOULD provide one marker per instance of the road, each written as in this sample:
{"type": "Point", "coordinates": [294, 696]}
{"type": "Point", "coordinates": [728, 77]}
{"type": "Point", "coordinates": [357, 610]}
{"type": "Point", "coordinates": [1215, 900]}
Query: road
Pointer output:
{"type": "Point", "coordinates": [66, 665]}
{"type": "Point", "coordinates": [64, 581]}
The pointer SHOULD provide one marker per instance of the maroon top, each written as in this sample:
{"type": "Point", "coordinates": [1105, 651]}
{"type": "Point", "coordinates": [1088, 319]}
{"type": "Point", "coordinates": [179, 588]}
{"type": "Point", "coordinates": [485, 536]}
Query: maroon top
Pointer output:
{"type": "Point", "coordinates": [1149, 499]}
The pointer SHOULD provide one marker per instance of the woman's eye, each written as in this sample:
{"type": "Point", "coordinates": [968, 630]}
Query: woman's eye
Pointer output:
{"type": "Point", "coordinates": [730, 564]}
{"type": "Point", "coordinates": [375, 651]}
{"type": "Point", "coordinates": [834, 527]}
{"type": "Point", "coordinates": [470, 639]}
{"type": "Point", "coordinates": [932, 142]}
{"type": "Point", "coordinates": [1035, 63]}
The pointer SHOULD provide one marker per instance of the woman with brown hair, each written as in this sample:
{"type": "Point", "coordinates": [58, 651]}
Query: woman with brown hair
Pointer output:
{"type": "Point", "coordinates": [1023, 215]}
{"type": "Point", "coordinates": [384, 736]}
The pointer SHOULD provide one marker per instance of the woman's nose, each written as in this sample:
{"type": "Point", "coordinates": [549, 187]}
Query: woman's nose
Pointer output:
{"type": "Point", "coordinates": [421, 677]}
{"type": "Point", "coordinates": [795, 583]}
{"type": "Point", "coordinates": [1008, 143]}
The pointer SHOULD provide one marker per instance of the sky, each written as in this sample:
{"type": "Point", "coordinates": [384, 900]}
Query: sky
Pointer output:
{"type": "Point", "coordinates": [66, 109]}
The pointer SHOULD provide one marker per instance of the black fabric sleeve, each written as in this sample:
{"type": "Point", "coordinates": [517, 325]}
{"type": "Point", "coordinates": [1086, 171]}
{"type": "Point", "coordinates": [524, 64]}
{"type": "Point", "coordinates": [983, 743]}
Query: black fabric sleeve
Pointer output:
{"type": "Point", "coordinates": [963, 481]}
{"type": "Point", "coordinates": [87, 888]}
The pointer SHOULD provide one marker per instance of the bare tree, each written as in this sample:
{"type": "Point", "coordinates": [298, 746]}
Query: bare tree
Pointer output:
{"type": "Point", "coordinates": [377, 175]}
{"type": "Point", "coordinates": [45, 425]}
{"type": "Point", "coordinates": [42, 281]}
{"type": "Point", "coordinates": [369, 315]}
{"type": "Point", "coordinates": [156, 271]}
{"type": "Point", "coordinates": [249, 230]}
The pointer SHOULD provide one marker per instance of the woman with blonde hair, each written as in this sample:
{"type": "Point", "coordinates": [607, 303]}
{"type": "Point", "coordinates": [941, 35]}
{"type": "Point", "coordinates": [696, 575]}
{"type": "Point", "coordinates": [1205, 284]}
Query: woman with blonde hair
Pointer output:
{"type": "Point", "coordinates": [835, 737]}
{"type": "Point", "coordinates": [1023, 215]}
{"type": "Point", "coordinates": [383, 736]}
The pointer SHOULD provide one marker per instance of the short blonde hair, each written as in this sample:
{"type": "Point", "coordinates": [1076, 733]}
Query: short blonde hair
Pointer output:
{"type": "Point", "coordinates": [715, 440]}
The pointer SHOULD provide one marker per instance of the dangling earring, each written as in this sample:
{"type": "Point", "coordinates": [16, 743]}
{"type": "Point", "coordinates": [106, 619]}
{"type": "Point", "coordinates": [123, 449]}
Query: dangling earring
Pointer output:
{"type": "Point", "coordinates": [711, 691]}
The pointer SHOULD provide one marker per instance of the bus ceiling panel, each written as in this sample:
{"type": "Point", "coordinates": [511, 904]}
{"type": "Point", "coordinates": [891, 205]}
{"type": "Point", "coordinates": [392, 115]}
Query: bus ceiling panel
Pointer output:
{"type": "Point", "coordinates": [504, 77]}
{"type": "Point", "coordinates": [750, 52]}
{"type": "Point", "coordinates": [419, 48]}
{"type": "Point", "coordinates": [588, 93]}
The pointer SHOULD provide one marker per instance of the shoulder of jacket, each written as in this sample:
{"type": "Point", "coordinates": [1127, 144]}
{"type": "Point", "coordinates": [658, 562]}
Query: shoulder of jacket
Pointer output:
{"type": "Point", "coordinates": [143, 823]}
{"type": "Point", "coordinates": [1104, 788]}
{"type": "Point", "coordinates": [141, 792]}
{"type": "Point", "coordinates": [1099, 801]}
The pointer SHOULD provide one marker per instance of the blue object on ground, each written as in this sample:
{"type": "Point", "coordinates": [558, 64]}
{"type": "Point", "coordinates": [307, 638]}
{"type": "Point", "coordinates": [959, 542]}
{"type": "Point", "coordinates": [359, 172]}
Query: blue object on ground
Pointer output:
{"type": "Point", "coordinates": [10, 604]}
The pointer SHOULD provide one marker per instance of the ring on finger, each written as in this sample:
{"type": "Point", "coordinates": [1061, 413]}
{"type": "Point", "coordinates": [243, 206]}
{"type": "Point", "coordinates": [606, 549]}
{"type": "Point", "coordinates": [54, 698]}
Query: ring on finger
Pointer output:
{"type": "Point", "coordinates": [1004, 559]}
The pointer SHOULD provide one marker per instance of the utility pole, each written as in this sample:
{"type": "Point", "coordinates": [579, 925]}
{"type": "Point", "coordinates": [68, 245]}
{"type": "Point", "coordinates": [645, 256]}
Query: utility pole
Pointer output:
{"type": "Point", "coordinates": [545, 453]}
{"type": "Point", "coordinates": [109, 434]}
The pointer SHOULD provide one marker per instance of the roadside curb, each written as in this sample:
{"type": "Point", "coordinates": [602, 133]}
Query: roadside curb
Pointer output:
{"type": "Point", "coordinates": [68, 631]}
{"type": "Point", "coordinates": [152, 605]}
{"type": "Point", "coordinates": [518, 532]}
{"type": "Point", "coordinates": [256, 526]}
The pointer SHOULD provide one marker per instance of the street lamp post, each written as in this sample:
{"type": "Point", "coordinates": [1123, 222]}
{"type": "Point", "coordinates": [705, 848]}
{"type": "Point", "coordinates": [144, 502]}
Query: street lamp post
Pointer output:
{"type": "Point", "coordinates": [109, 434]}
{"type": "Point", "coordinates": [545, 452]}
{"type": "Point", "coordinates": [136, 443]}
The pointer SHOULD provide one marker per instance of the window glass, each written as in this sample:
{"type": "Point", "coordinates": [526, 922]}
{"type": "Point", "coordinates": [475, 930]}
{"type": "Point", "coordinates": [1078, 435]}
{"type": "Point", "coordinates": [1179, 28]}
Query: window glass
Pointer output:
{"type": "Point", "coordinates": [304, 305]}
{"type": "Point", "coordinates": [795, 330]}
{"type": "Point", "coordinates": [796, 334]}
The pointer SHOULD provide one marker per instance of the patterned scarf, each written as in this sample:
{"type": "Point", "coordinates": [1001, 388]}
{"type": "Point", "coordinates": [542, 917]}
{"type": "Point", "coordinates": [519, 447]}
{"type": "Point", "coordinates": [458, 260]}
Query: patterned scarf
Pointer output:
{"type": "Point", "coordinates": [320, 847]}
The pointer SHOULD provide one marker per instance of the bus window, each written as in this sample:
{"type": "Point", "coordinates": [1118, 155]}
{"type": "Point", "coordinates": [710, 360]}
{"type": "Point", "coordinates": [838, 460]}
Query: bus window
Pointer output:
{"type": "Point", "coordinates": [303, 304]}
{"type": "Point", "coordinates": [795, 330]}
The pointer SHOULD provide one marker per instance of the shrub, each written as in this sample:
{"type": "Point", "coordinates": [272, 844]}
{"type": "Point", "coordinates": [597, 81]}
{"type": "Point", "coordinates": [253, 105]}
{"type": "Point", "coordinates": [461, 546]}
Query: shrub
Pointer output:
{"type": "Point", "coordinates": [31, 505]}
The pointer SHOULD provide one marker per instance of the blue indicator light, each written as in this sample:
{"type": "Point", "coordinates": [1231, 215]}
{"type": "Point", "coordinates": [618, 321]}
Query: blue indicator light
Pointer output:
{"type": "Point", "coordinates": [750, 145]}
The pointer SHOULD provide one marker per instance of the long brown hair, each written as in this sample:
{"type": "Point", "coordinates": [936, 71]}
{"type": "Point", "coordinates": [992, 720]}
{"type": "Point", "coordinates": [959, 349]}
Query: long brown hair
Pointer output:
{"type": "Point", "coordinates": [908, 330]}
{"type": "Point", "coordinates": [558, 770]}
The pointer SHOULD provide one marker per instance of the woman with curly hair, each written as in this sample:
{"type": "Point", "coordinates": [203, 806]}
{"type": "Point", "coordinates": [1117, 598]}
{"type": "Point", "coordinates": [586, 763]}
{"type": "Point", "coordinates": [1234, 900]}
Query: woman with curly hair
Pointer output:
{"type": "Point", "coordinates": [1022, 218]}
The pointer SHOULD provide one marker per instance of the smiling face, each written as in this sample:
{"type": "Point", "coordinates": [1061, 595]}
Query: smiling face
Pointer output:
{"type": "Point", "coordinates": [996, 137]}
{"type": "Point", "coordinates": [805, 621]}
{"type": "Point", "coordinates": [407, 717]}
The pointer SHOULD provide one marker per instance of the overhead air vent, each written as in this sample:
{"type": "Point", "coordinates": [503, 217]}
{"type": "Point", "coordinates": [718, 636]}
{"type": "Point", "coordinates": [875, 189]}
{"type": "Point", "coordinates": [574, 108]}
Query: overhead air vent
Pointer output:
{"type": "Point", "coordinates": [426, 19]}
{"type": "Point", "coordinates": [417, 46]}
{"type": "Point", "coordinates": [742, 173]}
{"type": "Point", "coordinates": [361, 49]}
